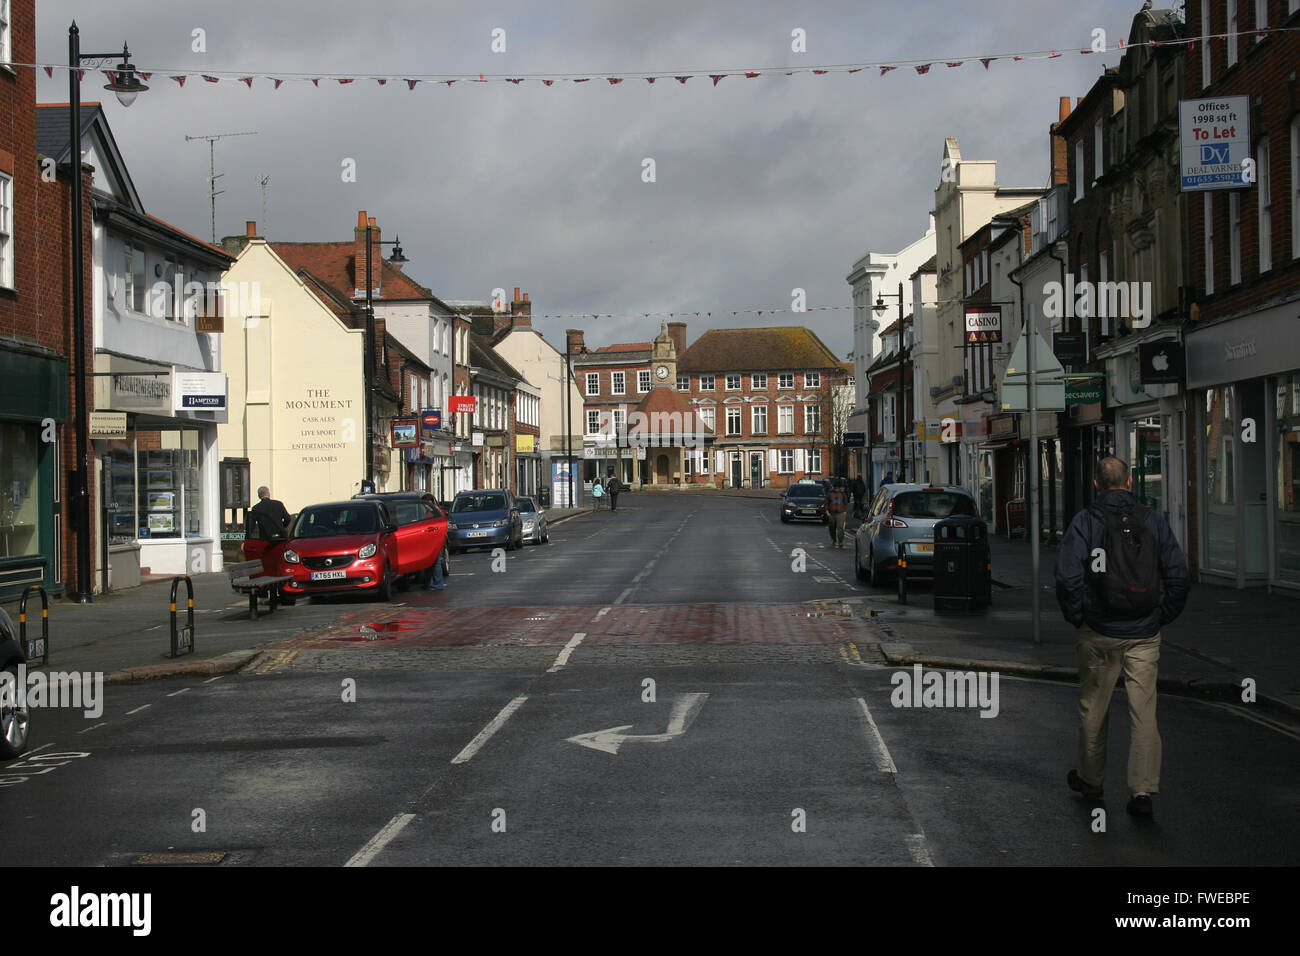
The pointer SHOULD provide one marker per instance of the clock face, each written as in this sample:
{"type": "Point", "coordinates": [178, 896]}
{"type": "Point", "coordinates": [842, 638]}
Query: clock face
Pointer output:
{"type": "Point", "coordinates": [662, 371]}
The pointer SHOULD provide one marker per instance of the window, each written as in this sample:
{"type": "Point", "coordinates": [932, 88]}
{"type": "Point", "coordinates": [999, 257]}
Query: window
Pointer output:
{"type": "Point", "coordinates": [812, 379]}
{"type": "Point", "coordinates": [786, 461]}
{"type": "Point", "coordinates": [758, 420]}
{"type": "Point", "coordinates": [618, 383]}
{"type": "Point", "coordinates": [1098, 159]}
{"type": "Point", "coordinates": [785, 380]}
{"type": "Point", "coordinates": [812, 419]}
{"type": "Point", "coordinates": [593, 383]}
{"type": "Point", "coordinates": [1264, 201]}
{"type": "Point", "coordinates": [5, 34]}
{"type": "Point", "coordinates": [1205, 47]}
{"type": "Point", "coordinates": [758, 380]}
{"type": "Point", "coordinates": [6, 225]}
{"type": "Point", "coordinates": [1232, 33]}
{"type": "Point", "coordinates": [135, 284]}
{"type": "Point", "coordinates": [1234, 238]}
{"type": "Point", "coordinates": [733, 421]}
{"type": "Point", "coordinates": [815, 461]}
{"type": "Point", "coordinates": [1207, 205]}
{"type": "Point", "coordinates": [643, 380]}
{"type": "Point", "coordinates": [620, 421]}
{"type": "Point", "coordinates": [733, 383]}
{"type": "Point", "coordinates": [1078, 170]}
{"type": "Point", "coordinates": [785, 419]}
{"type": "Point", "coordinates": [708, 415]}
{"type": "Point", "coordinates": [707, 383]}
{"type": "Point", "coordinates": [593, 421]}
{"type": "Point", "coordinates": [1295, 186]}
{"type": "Point", "coordinates": [890, 420]}
{"type": "Point", "coordinates": [1261, 19]}
{"type": "Point", "coordinates": [683, 383]}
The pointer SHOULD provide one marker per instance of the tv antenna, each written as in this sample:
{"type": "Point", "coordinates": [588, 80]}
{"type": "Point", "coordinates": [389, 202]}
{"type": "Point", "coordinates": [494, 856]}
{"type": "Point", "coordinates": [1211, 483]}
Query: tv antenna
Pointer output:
{"type": "Point", "coordinates": [265, 183]}
{"type": "Point", "coordinates": [212, 173]}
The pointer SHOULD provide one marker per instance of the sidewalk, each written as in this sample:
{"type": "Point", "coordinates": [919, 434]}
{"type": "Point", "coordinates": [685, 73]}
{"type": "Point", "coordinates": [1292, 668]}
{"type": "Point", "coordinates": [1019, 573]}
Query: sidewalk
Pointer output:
{"type": "Point", "coordinates": [1223, 635]}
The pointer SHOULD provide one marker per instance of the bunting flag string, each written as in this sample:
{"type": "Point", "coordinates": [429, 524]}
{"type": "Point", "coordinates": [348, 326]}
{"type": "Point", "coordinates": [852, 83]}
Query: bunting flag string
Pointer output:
{"type": "Point", "coordinates": [920, 66]}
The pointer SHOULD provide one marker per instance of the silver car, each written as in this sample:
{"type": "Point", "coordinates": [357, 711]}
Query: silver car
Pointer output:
{"type": "Point", "coordinates": [534, 520]}
{"type": "Point", "coordinates": [904, 515]}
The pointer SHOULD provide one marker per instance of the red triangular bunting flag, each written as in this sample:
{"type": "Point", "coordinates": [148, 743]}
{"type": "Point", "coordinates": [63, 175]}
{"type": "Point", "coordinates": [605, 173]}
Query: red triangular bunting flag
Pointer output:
{"type": "Point", "coordinates": [1054, 54]}
{"type": "Point", "coordinates": [516, 82]}
{"type": "Point", "coordinates": [614, 80]}
{"type": "Point", "coordinates": [858, 70]}
{"type": "Point", "coordinates": [448, 82]}
{"type": "Point", "coordinates": [1085, 51]}
{"type": "Point", "coordinates": [886, 69]}
{"type": "Point", "coordinates": [49, 71]}
{"type": "Point", "coordinates": [923, 68]}
{"type": "Point", "coordinates": [210, 79]}
{"type": "Point", "coordinates": [81, 74]}
{"type": "Point", "coordinates": [1017, 58]}
{"type": "Point", "coordinates": [649, 79]}
{"type": "Point", "coordinates": [548, 82]}
{"type": "Point", "coordinates": [716, 77]}
{"type": "Point", "coordinates": [180, 80]}
{"type": "Point", "coordinates": [958, 63]}
{"type": "Point", "coordinates": [277, 83]}
{"type": "Point", "coordinates": [585, 79]}
{"type": "Point", "coordinates": [681, 79]}
{"type": "Point", "coordinates": [986, 60]}
{"type": "Point", "coordinates": [146, 76]}
{"type": "Point", "coordinates": [751, 74]}
{"type": "Point", "coordinates": [111, 75]}
{"type": "Point", "coordinates": [247, 81]}
{"type": "Point", "coordinates": [381, 81]}
{"type": "Point", "coordinates": [820, 72]}
{"type": "Point", "coordinates": [343, 80]}
{"type": "Point", "coordinates": [410, 84]}
{"type": "Point", "coordinates": [315, 81]}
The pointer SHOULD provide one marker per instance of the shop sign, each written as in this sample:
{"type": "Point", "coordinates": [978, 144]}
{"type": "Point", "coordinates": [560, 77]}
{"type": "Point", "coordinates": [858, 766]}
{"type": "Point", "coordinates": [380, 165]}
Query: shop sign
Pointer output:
{"type": "Point", "coordinates": [193, 391]}
{"type": "Point", "coordinates": [525, 444]}
{"type": "Point", "coordinates": [107, 425]}
{"type": "Point", "coordinates": [1163, 363]}
{"type": "Point", "coordinates": [1004, 426]}
{"type": "Point", "coordinates": [1214, 143]}
{"type": "Point", "coordinates": [405, 432]}
{"type": "Point", "coordinates": [983, 323]}
{"type": "Point", "coordinates": [456, 404]}
{"type": "Point", "coordinates": [1083, 393]}
{"type": "Point", "coordinates": [133, 386]}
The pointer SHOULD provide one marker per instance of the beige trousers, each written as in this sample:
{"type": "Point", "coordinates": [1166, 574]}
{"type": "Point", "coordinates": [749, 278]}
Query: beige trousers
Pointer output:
{"type": "Point", "coordinates": [1101, 660]}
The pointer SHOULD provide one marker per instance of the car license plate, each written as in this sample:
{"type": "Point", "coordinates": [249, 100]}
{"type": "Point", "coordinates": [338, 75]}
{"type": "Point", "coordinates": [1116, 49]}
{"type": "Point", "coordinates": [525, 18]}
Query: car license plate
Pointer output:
{"type": "Point", "coordinates": [328, 575]}
{"type": "Point", "coordinates": [808, 512]}
{"type": "Point", "coordinates": [476, 534]}
{"type": "Point", "coordinates": [926, 546]}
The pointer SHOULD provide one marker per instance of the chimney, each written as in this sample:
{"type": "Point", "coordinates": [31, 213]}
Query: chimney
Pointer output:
{"type": "Point", "coordinates": [575, 340]}
{"type": "Point", "coordinates": [250, 229]}
{"type": "Point", "coordinates": [1060, 148]}
{"type": "Point", "coordinates": [234, 245]}
{"type": "Point", "coordinates": [359, 256]}
{"type": "Point", "coordinates": [677, 332]}
{"type": "Point", "coordinates": [524, 313]}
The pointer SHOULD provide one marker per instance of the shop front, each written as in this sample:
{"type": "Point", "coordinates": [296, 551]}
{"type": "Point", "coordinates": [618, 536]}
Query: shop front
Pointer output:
{"type": "Point", "coordinates": [1244, 378]}
{"type": "Point", "coordinates": [161, 510]}
{"type": "Point", "coordinates": [33, 403]}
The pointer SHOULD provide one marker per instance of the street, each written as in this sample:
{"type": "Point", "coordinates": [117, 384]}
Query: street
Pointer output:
{"type": "Point", "coordinates": [675, 683]}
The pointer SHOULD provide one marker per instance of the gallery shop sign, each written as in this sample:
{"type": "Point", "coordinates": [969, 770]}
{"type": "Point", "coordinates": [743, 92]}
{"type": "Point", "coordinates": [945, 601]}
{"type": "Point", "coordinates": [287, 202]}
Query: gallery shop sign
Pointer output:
{"type": "Point", "coordinates": [1252, 346]}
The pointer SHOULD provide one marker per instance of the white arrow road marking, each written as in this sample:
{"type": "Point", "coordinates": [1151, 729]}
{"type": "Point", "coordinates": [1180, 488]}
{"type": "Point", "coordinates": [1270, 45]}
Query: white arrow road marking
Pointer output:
{"type": "Point", "coordinates": [684, 711]}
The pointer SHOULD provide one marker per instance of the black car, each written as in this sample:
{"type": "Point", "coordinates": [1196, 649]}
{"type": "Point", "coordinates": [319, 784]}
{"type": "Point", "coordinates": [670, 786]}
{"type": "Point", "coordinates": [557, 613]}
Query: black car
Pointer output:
{"type": "Point", "coordinates": [804, 501]}
{"type": "Point", "coordinates": [13, 717]}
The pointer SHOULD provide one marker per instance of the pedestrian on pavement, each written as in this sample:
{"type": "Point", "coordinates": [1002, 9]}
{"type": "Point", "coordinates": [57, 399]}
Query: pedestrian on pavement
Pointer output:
{"type": "Point", "coordinates": [597, 492]}
{"type": "Point", "coordinates": [837, 506]}
{"type": "Point", "coordinates": [859, 489]}
{"type": "Point", "coordinates": [266, 505]}
{"type": "Point", "coordinates": [888, 479]}
{"type": "Point", "coordinates": [612, 487]}
{"type": "Point", "coordinates": [436, 582]}
{"type": "Point", "coordinates": [1120, 578]}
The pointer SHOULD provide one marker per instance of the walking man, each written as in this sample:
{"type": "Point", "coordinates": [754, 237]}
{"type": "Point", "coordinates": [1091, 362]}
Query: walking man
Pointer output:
{"type": "Point", "coordinates": [859, 489]}
{"type": "Point", "coordinates": [837, 506]}
{"type": "Point", "coordinates": [612, 487]}
{"type": "Point", "coordinates": [275, 510]}
{"type": "Point", "coordinates": [1120, 578]}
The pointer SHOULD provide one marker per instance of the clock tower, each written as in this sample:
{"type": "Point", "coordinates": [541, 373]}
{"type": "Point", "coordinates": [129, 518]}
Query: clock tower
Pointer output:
{"type": "Point", "coordinates": [663, 359]}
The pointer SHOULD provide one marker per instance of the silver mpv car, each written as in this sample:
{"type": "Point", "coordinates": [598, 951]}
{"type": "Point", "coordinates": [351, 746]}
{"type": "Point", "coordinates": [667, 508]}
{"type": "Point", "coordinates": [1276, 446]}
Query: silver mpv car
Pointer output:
{"type": "Point", "coordinates": [904, 515]}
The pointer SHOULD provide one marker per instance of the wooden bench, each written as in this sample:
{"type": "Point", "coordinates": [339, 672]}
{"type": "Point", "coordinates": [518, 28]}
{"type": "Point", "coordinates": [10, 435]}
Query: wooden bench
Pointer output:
{"type": "Point", "coordinates": [250, 577]}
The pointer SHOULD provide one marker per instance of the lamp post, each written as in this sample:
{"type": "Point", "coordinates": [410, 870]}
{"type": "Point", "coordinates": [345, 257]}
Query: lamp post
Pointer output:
{"type": "Point", "coordinates": [126, 85]}
{"type": "Point", "coordinates": [879, 309]}
{"type": "Point", "coordinates": [368, 353]}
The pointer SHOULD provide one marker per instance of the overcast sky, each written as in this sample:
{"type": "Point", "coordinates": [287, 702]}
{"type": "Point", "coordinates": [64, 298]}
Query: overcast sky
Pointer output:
{"type": "Point", "coordinates": [762, 185]}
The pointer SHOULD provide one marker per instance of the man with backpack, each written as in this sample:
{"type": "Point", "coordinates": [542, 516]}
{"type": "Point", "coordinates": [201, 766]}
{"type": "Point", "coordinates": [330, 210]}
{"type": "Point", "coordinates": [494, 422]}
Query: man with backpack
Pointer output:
{"type": "Point", "coordinates": [612, 487]}
{"type": "Point", "coordinates": [1120, 578]}
{"type": "Point", "coordinates": [837, 506]}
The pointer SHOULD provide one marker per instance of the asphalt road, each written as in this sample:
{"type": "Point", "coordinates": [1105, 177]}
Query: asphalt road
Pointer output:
{"type": "Point", "coordinates": [654, 686]}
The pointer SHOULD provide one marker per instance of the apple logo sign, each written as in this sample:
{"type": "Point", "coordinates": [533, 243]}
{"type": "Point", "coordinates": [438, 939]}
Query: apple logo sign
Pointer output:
{"type": "Point", "coordinates": [1160, 362]}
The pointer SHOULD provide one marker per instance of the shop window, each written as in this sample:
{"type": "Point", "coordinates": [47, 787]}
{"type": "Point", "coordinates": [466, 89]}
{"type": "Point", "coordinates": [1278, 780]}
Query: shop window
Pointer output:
{"type": "Point", "coordinates": [1287, 470]}
{"type": "Point", "coordinates": [19, 489]}
{"type": "Point", "coordinates": [1220, 490]}
{"type": "Point", "coordinates": [168, 494]}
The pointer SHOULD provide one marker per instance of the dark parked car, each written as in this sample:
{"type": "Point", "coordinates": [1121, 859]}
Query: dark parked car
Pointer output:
{"type": "Point", "coordinates": [904, 515]}
{"type": "Point", "coordinates": [485, 518]}
{"type": "Point", "coordinates": [804, 501]}
{"type": "Point", "coordinates": [356, 546]}
{"type": "Point", "coordinates": [13, 717]}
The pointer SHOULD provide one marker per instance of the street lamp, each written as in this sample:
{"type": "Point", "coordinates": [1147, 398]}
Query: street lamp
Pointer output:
{"type": "Point", "coordinates": [879, 309]}
{"type": "Point", "coordinates": [126, 85]}
{"type": "Point", "coordinates": [368, 355]}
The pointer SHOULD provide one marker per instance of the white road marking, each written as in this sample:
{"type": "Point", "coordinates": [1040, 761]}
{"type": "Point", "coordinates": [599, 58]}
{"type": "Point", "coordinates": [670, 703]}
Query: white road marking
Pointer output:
{"type": "Point", "coordinates": [138, 709]}
{"type": "Point", "coordinates": [92, 727]}
{"type": "Point", "coordinates": [916, 846]}
{"type": "Point", "coordinates": [599, 614]}
{"type": "Point", "coordinates": [884, 762]}
{"type": "Point", "coordinates": [211, 679]}
{"type": "Point", "coordinates": [179, 692]}
{"type": "Point", "coordinates": [566, 651]}
{"type": "Point", "coordinates": [486, 733]}
{"type": "Point", "coordinates": [380, 840]}
{"type": "Point", "coordinates": [36, 750]}
{"type": "Point", "coordinates": [623, 597]}
{"type": "Point", "coordinates": [685, 708]}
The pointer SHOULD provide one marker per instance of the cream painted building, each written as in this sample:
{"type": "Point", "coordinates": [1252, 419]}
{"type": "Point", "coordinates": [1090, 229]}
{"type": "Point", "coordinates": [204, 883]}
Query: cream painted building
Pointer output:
{"type": "Point", "coordinates": [296, 395]}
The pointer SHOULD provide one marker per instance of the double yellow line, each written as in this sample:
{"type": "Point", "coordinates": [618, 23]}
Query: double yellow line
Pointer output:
{"type": "Point", "coordinates": [849, 651]}
{"type": "Point", "coordinates": [276, 661]}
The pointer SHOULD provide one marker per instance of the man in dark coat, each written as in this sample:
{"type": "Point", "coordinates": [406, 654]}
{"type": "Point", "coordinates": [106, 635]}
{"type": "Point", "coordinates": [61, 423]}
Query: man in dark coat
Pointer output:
{"type": "Point", "coordinates": [612, 487]}
{"type": "Point", "coordinates": [1111, 641]}
{"type": "Point", "coordinates": [273, 509]}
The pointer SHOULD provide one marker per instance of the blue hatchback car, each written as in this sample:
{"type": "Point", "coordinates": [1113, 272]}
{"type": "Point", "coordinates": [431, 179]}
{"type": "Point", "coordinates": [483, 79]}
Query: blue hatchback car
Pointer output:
{"type": "Point", "coordinates": [486, 519]}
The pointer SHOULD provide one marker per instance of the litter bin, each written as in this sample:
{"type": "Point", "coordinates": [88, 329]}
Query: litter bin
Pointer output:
{"type": "Point", "coordinates": [963, 569]}
{"type": "Point", "coordinates": [544, 496]}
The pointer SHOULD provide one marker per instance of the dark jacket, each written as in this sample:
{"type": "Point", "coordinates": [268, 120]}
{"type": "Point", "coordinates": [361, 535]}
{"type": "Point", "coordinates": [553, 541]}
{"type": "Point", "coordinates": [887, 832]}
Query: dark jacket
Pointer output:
{"type": "Point", "coordinates": [273, 509]}
{"type": "Point", "coordinates": [1082, 598]}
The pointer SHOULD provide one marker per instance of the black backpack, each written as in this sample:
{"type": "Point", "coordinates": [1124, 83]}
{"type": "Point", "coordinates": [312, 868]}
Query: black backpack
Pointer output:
{"type": "Point", "coordinates": [1131, 584]}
